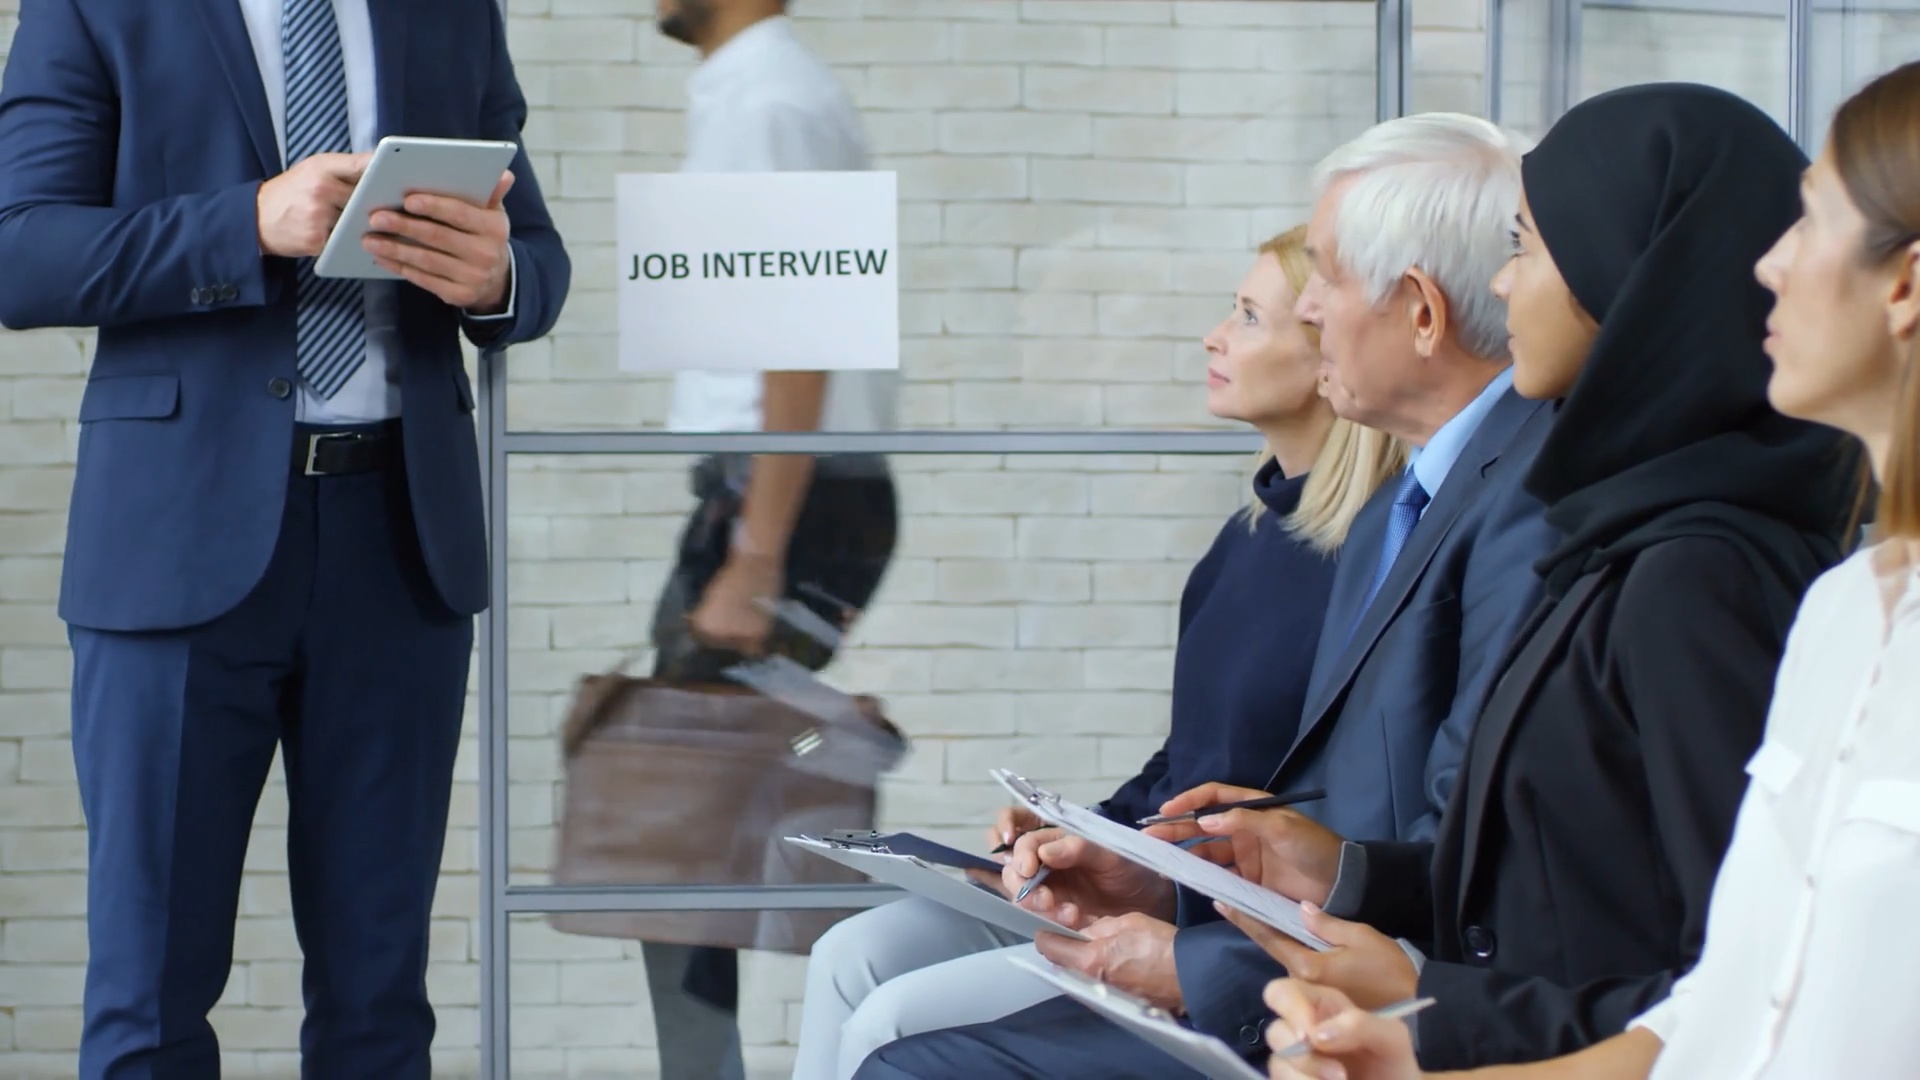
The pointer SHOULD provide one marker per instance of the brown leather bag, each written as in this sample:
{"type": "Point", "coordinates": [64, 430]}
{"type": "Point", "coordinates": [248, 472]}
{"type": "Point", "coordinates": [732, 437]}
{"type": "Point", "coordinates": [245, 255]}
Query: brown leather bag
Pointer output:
{"type": "Point", "coordinates": [679, 785]}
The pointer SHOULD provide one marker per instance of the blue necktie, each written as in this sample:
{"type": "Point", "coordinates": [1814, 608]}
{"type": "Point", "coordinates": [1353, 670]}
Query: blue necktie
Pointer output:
{"type": "Point", "coordinates": [1408, 502]}
{"type": "Point", "coordinates": [330, 324]}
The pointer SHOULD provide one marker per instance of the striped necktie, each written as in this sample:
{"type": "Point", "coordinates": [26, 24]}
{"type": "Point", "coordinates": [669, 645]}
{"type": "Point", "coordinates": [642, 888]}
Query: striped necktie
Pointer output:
{"type": "Point", "coordinates": [330, 325]}
{"type": "Point", "coordinates": [1408, 502]}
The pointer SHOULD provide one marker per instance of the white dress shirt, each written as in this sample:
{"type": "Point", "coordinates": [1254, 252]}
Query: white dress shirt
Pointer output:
{"type": "Point", "coordinates": [763, 103]}
{"type": "Point", "coordinates": [1433, 462]}
{"type": "Point", "coordinates": [370, 394]}
{"type": "Point", "coordinates": [1812, 963]}
{"type": "Point", "coordinates": [373, 393]}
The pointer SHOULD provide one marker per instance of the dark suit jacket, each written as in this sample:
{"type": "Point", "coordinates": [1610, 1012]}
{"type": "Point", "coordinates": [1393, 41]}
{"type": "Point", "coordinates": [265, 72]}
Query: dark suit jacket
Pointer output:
{"type": "Point", "coordinates": [134, 136]}
{"type": "Point", "coordinates": [1569, 885]}
{"type": "Point", "coordinates": [1388, 712]}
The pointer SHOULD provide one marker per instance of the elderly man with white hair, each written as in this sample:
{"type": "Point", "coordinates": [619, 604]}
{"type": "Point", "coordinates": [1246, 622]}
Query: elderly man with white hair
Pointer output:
{"type": "Point", "coordinates": [1410, 224]}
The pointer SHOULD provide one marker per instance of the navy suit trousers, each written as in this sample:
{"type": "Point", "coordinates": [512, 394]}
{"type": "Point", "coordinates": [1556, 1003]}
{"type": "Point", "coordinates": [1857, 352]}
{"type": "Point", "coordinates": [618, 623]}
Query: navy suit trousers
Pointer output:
{"type": "Point", "coordinates": [1058, 1039]}
{"type": "Point", "coordinates": [343, 659]}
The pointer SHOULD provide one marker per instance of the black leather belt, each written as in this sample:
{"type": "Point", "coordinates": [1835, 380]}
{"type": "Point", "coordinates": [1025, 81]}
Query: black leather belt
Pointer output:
{"type": "Point", "coordinates": [341, 452]}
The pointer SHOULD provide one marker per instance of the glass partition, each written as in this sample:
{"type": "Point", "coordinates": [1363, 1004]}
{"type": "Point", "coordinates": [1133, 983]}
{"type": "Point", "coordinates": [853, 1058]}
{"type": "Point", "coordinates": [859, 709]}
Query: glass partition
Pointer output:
{"type": "Point", "coordinates": [1553, 53]}
{"type": "Point", "coordinates": [1738, 46]}
{"type": "Point", "coordinates": [1081, 185]}
{"type": "Point", "coordinates": [1025, 619]}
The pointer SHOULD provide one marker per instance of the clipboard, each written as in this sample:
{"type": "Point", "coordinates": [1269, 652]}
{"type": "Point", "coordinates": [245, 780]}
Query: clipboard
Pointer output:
{"type": "Point", "coordinates": [1167, 860]}
{"type": "Point", "coordinates": [1204, 1053]}
{"type": "Point", "coordinates": [924, 879]}
{"type": "Point", "coordinates": [917, 846]}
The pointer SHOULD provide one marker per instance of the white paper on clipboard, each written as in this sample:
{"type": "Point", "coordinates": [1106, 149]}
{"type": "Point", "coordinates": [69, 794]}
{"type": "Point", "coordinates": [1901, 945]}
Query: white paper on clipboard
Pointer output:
{"type": "Point", "coordinates": [1204, 1053]}
{"type": "Point", "coordinates": [1167, 860]}
{"type": "Point", "coordinates": [940, 886]}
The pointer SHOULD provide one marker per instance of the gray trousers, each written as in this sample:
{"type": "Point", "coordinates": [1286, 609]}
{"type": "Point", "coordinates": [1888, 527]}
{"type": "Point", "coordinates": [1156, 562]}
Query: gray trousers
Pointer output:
{"type": "Point", "coordinates": [902, 969]}
{"type": "Point", "coordinates": [841, 546]}
{"type": "Point", "coordinates": [697, 1040]}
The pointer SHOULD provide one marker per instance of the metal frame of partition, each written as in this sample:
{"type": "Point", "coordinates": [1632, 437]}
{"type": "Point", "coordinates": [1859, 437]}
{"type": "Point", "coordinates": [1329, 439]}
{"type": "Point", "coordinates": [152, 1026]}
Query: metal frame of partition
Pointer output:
{"type": "Point", "coordinates": [500, 899]}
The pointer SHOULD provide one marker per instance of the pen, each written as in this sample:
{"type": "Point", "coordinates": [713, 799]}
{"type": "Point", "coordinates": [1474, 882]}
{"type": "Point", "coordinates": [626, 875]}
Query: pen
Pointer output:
{"type": "Point", "coordinates": [1008, 846]}
{"type": "Point", "coordinates": [1398, 1011]}
{"type": "Point", "coordinates": [1035, 880]}
{"type": "Point", "coordinates": [1267, 803]}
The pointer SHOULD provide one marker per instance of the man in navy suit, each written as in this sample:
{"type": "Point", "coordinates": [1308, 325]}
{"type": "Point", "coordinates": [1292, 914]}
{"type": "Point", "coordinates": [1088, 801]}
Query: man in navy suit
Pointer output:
{"type": "Point", "coordinates": [276, 539]}
{"type": "Point", "coordinates": [1434, 582]}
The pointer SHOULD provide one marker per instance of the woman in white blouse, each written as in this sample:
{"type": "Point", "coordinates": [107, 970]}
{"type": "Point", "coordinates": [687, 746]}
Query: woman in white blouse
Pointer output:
{"type": "Point", "coordinates": [1812, 961]}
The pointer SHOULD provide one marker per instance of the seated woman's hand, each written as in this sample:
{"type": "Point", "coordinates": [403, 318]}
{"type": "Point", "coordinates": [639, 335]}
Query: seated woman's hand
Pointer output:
{"type": "Point", "coordinates": [1364, 964]}
{"type": "Point", "coordinates": [1085, 881]}
{"type": "Point", "coordinates": [1344, 1041]}
{"type": "Point", "coordinates": [1281, 850]}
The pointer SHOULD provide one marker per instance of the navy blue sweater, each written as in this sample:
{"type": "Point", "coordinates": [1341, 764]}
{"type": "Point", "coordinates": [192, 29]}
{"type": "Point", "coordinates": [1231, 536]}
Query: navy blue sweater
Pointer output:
{"type": "Point", "coordinates": [1249, 624]}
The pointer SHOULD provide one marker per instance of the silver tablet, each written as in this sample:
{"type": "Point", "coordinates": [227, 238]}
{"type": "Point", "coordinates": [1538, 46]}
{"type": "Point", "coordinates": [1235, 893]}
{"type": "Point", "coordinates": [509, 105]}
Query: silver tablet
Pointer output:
{"type": "Point", "coordinates": [402, 166]}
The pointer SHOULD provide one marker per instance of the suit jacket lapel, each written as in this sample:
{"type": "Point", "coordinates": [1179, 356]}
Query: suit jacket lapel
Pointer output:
{"type": "Point", "coordinates": [1461, 488]}
{"type": "Point", "coordinates": [1362, 550]}
{"type": "Point", "coordinates": [1527, 663]}
{"type": "Point", "coordinates": [390, 54]}
{"type": "Point", "coordinates": [233, 48]}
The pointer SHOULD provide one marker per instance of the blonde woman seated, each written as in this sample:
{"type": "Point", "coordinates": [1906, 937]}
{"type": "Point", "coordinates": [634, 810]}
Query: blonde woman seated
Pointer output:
{"type": "Point", "coordinates": [1811, 967]}
{"type": "Point", "coordinates": [1249, 625]}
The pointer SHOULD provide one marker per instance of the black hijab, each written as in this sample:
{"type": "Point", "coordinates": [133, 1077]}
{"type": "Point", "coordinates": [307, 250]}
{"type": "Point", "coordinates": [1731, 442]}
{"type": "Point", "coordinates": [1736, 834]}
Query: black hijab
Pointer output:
{"type": "Point", "coordinates": [1656, 201]}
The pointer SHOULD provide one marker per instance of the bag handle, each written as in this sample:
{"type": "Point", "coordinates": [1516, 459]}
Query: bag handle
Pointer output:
{"type": "Point", "coordinates": [595, 695]}
{"type": "Point", "coordinates": [591, 700]}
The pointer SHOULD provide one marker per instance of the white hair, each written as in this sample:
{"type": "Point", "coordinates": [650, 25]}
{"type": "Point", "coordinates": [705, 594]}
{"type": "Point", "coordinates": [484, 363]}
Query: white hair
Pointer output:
{"type": "Point", "coordinates": [1437, 192]}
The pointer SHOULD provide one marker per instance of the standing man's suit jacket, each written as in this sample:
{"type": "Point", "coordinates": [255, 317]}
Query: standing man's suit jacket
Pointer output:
{"type": "Point", "coordinates": [140, 133]}
{"type": "Point", "coordinates": [1390, 708]}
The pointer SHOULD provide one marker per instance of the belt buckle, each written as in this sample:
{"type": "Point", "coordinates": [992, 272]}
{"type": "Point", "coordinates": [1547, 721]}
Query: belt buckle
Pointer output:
{"type": "Point", "coordinates": [313, 447]}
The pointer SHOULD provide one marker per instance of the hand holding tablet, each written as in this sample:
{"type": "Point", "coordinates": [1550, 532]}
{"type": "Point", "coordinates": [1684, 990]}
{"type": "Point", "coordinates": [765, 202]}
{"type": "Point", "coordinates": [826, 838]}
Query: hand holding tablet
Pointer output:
{"type": "Point", "coordinates": [426, 211]}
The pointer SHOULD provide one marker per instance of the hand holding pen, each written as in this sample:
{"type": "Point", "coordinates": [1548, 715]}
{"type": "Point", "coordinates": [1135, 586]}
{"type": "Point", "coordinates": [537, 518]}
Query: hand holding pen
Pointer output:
{"type": "Point", "coordinates": [1034, 881]}
{"type": "Point", "coordinates": [1279, 849]}
{"type": "Point", "coordinates": [1009, 826]}
{"type": "Point", "coordinates": [1319, 1029]}
{"type": "Point", "coordinates": [1064, 877]}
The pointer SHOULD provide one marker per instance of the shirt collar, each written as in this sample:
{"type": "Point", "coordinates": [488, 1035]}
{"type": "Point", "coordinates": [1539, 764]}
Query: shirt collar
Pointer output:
{"type": "Point", "coordinates": [1433, 462]}
{"type": "Point", "coordinates": [742, 53]}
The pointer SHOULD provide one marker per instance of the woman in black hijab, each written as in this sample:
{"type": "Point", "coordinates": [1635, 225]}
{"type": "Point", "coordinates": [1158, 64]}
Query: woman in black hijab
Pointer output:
{"type": "Point", "coordinates": [1569, 885]}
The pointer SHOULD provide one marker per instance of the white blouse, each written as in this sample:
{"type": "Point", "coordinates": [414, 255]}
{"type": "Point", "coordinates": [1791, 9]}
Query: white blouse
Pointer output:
{"type": "Point", "coordinates": [1812, 959]}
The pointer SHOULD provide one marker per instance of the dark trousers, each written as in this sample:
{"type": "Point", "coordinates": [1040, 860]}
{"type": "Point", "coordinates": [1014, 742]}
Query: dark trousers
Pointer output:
{"type": "Point", "coordinates": [837, 554]}
{"type": "Point", "coordinates": [1058, 1039]}
{"type": "Point", "coordinates": [343, 659]}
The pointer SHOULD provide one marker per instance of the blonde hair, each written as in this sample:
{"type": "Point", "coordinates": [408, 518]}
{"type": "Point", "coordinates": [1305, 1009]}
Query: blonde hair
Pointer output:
{"type": "Point", "coordinates": [1352, 463]}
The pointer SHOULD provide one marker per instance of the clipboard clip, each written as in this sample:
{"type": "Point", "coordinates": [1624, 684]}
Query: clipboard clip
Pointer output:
{"type": "Point", "coordinates": [1023, 788]}
{"type": "Point", "coordinates": [858, 840]}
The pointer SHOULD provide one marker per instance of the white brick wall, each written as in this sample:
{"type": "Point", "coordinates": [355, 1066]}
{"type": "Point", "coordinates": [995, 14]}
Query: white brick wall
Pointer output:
{"type": "Point", "coordinates": [1081, 181]}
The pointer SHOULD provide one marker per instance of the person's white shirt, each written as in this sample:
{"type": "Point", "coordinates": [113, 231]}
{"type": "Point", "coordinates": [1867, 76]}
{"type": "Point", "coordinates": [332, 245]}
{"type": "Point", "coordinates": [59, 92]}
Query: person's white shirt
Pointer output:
{"type": "Point", "coordinates": [763, 103]}
{"type": "Point", "coordinates": [1811, 966]}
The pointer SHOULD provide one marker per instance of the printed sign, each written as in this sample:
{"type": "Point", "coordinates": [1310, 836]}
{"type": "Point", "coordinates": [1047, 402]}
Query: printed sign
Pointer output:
{"type": "Point", "coordinates": [787, 271]}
